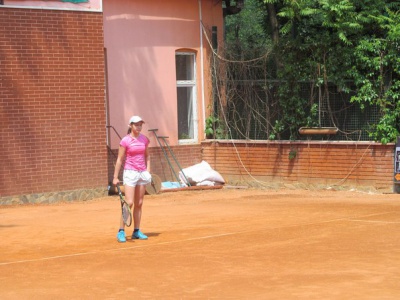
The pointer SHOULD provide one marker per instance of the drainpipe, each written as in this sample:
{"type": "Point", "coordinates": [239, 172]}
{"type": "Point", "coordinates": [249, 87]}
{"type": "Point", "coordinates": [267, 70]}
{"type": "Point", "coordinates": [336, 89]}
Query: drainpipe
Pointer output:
{"type": "Point", "coordinates": [202, 69]}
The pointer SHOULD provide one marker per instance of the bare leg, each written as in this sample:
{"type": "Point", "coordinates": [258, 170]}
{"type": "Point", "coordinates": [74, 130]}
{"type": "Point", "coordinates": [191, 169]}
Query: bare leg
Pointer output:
{"type": "Point", "coordinates": [129, 196]}
{"type": "Point", "coordinates": [138, 203]}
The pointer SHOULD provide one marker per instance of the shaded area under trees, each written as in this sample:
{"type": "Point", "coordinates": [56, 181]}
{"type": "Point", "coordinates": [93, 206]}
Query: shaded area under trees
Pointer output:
{"type": "Point", "coordinates": [289, 64]}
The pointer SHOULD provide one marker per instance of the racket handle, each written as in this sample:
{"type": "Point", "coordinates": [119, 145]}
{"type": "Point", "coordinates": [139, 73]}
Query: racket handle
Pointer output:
{"type": "Point", "coordinates": [119, 190]}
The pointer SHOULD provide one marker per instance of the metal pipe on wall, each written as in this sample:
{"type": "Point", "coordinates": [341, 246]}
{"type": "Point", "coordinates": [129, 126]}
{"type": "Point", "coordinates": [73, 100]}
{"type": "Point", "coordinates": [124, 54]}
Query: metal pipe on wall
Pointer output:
{"type": "Point", "coordinates": [202, 69]}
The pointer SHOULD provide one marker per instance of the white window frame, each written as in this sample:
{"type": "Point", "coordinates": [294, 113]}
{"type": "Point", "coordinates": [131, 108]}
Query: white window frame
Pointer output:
{"type": "Point", "coordinates": [193, 85]}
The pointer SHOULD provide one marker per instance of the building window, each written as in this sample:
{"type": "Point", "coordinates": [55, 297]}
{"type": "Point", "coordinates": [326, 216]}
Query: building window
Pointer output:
{"type": "Point", "coordinates": [186, 92]}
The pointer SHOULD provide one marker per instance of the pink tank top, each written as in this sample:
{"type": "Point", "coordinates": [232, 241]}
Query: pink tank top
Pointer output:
{"type": "Point", "coordinates": [135, 149]}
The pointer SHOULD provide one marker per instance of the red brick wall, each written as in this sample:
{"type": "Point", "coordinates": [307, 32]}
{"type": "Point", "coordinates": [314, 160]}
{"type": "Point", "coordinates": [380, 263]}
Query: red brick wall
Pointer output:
{"type": "Point", "coordinates": [52, 116]}
{"type": "Point", "coordinates": [340, 164]}
{"type": "Point", "coordinates": [325, 163]}
{"type": "Point", "coordinates": [186, 155]}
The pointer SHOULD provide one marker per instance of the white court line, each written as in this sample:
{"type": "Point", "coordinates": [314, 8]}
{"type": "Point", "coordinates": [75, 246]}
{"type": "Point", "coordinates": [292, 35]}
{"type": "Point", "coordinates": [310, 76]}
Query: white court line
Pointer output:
{"type": "Point", "coordinates": [370, 221]}
{"type": "Point", "coordinates": [118, 249]}
{"type": "Point", "coordinates": [181, 241]}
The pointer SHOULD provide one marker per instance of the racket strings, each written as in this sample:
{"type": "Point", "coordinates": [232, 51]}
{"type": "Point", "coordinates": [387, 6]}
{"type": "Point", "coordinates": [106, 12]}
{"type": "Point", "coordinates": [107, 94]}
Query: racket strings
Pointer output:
{"type": "Point", "coordinates": [126, 214]}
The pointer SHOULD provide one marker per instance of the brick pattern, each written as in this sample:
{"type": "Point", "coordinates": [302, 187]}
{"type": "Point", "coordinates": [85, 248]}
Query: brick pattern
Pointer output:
{"type": "Point", "coordinates": [186, 155]}
{"type": "Point", "coordinates": [52, 115]}
{"type": "Point", "coordinates": [326, 163]}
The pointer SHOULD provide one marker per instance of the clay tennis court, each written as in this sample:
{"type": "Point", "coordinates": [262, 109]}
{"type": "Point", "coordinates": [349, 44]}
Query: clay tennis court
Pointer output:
{"type": "Point", "coordinates": [214, 244]}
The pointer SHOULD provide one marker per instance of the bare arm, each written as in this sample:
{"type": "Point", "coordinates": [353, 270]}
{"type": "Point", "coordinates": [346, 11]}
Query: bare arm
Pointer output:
{"type": "Point", "coordinates": [118, 164]}
{"type": "Point", "coordinates": [147, 158]}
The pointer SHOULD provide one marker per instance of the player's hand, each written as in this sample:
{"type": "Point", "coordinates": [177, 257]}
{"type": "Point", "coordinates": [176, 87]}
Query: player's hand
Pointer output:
{"type": "Point", "coordinates": [115, 181]}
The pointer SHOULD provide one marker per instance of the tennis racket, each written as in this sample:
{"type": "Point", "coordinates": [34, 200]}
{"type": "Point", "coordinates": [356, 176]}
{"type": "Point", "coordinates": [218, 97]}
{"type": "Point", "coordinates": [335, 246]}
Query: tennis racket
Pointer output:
{"type": "Point", "coordinates": [126, 210]}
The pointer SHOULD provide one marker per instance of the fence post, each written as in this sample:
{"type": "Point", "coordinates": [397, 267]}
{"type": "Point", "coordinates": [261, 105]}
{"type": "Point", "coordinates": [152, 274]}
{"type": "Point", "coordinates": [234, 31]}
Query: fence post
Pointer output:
{"type": "Point", "coordinates": [396, 177]}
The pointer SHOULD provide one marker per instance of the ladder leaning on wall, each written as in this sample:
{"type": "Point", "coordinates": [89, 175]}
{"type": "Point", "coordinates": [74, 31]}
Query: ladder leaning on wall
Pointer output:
{"type": "Point", "coordinates": [165, 146]}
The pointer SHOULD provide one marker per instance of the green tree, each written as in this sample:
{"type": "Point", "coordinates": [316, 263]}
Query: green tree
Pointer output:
{"type": "Point", "coordinates": [376, 72]}
{"type": "Point", "coordinates": [351, 44]}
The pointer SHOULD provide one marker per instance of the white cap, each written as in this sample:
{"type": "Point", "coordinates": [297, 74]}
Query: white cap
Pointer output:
{"type": "Point", "coordinates": [135, 119]}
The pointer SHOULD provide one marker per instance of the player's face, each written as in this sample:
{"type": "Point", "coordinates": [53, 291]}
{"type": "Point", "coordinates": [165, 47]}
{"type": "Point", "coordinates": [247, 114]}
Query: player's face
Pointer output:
{"type": "Point", "coordinates": [137, 127]}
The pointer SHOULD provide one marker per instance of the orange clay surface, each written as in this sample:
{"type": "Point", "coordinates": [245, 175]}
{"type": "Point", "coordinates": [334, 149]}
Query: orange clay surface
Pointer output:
{"type": "Point", "coordinates": [213, 244]}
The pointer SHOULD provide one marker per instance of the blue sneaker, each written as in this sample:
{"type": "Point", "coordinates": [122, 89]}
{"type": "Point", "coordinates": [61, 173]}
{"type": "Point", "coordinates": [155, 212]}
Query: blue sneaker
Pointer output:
{"type": "Point", "coordinates": [121, 237]}
{"type": "Point", "coordinates": [139, 235]}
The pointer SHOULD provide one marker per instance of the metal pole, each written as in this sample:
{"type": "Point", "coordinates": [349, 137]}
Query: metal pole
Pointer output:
{"type": "Point", "coordinates": [165, 153]}
{"type": "Point", "coordinates": [172, 153]}
{"type": "Point", "coordinates": [109, 126]}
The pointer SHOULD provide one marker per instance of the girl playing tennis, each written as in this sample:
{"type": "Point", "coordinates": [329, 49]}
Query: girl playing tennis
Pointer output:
{"type": "Point", "coordinates": [134, 149]}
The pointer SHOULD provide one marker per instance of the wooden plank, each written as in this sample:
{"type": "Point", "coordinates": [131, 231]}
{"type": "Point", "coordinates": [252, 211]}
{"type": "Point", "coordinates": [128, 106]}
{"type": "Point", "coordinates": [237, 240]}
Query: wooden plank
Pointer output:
{"type": "Point", "coordinates": [192, 188]}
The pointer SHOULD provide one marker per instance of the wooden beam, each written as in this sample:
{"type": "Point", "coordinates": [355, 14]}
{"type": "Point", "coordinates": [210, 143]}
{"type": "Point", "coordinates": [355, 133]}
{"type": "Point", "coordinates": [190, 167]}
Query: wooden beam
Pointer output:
{"type": "Point", "coordinates": [318, 130]}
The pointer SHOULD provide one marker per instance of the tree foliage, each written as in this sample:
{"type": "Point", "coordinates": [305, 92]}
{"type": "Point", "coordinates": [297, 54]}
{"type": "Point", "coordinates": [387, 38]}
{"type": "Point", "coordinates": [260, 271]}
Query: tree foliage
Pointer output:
{"type": "Point", "coordinates": [353, 44]}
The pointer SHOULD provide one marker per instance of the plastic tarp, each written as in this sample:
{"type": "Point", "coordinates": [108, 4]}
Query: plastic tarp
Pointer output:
{"type": "Point", "coordinates": [201, 175]}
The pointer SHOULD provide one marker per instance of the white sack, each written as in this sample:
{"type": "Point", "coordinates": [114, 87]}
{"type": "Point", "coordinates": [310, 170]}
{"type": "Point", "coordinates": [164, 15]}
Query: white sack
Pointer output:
{"type": "Point", "coordinates": [201, 172]}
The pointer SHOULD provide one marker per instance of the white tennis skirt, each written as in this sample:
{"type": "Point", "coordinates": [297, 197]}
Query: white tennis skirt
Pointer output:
{"type": "Point", "coordinates": [134, 178]}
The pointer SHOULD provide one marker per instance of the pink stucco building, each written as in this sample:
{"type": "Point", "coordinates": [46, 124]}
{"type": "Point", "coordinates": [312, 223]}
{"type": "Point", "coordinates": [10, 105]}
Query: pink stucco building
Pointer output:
{"type": "Point", "coordinates": [158, 65]}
